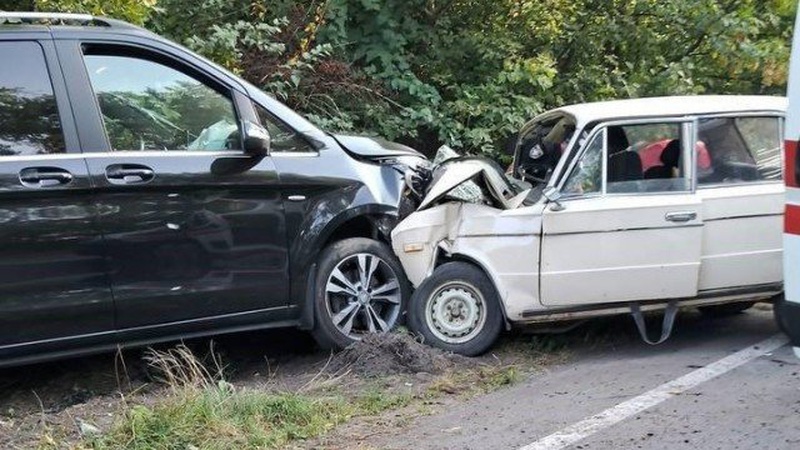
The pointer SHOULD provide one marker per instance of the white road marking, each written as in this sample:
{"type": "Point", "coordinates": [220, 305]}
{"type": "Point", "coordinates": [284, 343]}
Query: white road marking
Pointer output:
{"type": "Point", "coordinates": [611, 416]}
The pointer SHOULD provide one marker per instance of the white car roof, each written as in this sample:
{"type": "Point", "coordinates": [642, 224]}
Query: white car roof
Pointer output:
{"type": "Point", "coordinates": [671, 106]}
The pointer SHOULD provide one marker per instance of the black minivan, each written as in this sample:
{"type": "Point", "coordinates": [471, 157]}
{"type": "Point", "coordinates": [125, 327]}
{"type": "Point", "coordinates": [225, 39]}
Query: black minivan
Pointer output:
{"type": "Point", "coordinates": [146, 194]}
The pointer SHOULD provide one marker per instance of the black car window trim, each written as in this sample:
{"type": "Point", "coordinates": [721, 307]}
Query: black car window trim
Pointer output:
{"type": "Point", "coordinates": [135, 50]}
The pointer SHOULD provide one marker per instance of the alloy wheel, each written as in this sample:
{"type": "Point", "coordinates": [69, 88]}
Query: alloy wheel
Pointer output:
{"type": "Point", "coordinates": [363, 296]}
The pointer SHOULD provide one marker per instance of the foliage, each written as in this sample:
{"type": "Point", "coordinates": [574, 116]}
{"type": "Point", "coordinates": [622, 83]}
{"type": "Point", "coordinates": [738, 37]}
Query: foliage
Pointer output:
{"type": "Point", "coordinates": [469, 72]}
{"type": "Point", "coordinates": [134, 11]}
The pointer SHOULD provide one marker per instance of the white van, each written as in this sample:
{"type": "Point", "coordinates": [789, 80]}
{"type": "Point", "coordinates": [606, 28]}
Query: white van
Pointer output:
{"type": "Point", "coordinates": [787, 312]}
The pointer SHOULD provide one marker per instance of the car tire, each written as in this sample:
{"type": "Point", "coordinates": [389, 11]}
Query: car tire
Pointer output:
{"type": "Point", "coordinates": [725, 310]}
{"type": "Point", "coordinates": [778, 307]}
{"type": "Point", "coordinates": [465, 288]}
{"type": "Point", "coordinates": [345, 310]}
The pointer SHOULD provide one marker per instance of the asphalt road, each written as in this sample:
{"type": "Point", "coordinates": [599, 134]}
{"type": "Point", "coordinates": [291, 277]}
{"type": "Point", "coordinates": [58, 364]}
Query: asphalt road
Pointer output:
{"type": "Point", "coordinates": [717, 384]}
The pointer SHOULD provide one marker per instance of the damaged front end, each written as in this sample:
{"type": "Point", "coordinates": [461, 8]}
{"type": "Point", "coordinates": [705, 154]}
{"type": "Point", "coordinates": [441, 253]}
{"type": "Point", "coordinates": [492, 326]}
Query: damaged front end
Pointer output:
{"type": "Point", "coordinates": [464, 204]}
{"type": "Point", "coordinates": [454, 178]}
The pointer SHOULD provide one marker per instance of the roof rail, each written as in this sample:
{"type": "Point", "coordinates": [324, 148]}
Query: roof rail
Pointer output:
{"type": "Point", "coordinates": [59, 19]}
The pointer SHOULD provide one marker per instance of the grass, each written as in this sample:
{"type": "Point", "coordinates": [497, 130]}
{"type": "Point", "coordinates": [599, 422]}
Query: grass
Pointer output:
{"type": "Point", "coordinates": [222, 417]}
{"type": "Point", "coordinates": [202, 411]}
{"type": "Point", "coordinates": [476, 381]}
{"type": "Point", "coordinates": [225, 418]}
{"type": "Point", "coordinates": [198, 409]}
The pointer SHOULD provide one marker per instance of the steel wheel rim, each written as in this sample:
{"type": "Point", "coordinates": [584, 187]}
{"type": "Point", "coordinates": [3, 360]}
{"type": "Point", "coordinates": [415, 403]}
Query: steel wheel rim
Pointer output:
{"type": "Point", "coordinates": [455, 313]}
{"type": "Point", "coordinates": [363, 296]}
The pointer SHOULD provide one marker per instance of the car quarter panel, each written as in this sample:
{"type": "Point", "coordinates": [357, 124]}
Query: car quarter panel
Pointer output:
{"type": "Point", "coordinates": [742, 240]}
{"type": "Point", "coordinates": [506, 244]}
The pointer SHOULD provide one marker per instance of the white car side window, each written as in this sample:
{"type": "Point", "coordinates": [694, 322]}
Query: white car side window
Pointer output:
{"type": "Point", "coordinates": [739, 150]}
{"type": "Point", "coordinates": [646, 157]}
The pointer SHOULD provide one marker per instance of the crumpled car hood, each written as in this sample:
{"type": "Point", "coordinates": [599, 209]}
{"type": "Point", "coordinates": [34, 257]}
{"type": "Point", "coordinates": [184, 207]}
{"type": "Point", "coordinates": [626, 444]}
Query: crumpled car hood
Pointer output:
{"type": "Point", "coordinates": [472, 179]}
{"type": "Point", "coordinates": [373, 147]}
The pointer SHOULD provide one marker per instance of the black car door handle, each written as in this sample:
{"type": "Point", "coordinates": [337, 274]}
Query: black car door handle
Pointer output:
{"type": "Point", "coordinates": [129, 173]}
{"type": "Point", "coordinates": [44, 176]}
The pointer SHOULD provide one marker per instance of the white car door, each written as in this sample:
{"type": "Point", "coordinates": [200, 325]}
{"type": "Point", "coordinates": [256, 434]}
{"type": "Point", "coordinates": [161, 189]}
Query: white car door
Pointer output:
{"type": "Point", "coordinates": [628, 225]}
{"type": "Point", "coordinates": [739, 180]}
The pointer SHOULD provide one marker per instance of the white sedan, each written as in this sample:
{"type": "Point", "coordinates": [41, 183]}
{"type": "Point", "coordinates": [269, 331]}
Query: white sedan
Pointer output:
{"type": "Point", "coordinates": [614, 207]}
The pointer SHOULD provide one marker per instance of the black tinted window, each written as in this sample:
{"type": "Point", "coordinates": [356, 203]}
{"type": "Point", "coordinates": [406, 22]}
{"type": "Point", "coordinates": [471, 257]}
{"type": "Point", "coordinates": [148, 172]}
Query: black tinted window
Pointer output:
{"type": "Point", "coordinates": [147, 105]}
{"type": "Point", "coordinates": [283, 138]}
{"type": "Point", "coordinates": [29, 122]}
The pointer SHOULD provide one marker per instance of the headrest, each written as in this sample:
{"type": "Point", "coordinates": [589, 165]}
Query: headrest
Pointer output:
{"type": "Point", "coordinates": [617, 140]}
{"type": "Point", "coordinates": [671, 154]}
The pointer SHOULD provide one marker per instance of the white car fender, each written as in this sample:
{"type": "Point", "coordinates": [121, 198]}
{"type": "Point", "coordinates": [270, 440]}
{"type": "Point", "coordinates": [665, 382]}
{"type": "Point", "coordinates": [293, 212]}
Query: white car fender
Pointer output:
{"type": "Point", "coordinates": [504, 243]}
{"type": "Point", "coordinates": [417, 240]}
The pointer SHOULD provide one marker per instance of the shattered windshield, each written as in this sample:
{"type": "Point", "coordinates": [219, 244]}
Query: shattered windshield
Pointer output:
{"type": "Point", "coordinates": [540, 147]}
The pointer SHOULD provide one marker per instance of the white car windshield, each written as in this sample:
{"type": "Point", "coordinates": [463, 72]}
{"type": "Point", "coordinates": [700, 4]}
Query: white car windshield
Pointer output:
{"type": "Point", "coordinates": [541, 145]}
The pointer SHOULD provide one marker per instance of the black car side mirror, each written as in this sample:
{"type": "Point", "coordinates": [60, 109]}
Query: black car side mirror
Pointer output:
{"type": "Point", "coordinates": [256, 140]}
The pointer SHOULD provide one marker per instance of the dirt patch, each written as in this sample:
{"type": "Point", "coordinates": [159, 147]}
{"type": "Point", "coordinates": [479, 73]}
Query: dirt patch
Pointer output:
{"type": "Point", "coordinates": [393, 353]}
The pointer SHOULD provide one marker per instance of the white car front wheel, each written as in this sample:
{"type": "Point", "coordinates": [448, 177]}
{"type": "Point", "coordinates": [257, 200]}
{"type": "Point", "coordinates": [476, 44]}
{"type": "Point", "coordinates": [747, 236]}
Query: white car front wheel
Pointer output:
{"type": "Point", "coordinates": [457, 309]}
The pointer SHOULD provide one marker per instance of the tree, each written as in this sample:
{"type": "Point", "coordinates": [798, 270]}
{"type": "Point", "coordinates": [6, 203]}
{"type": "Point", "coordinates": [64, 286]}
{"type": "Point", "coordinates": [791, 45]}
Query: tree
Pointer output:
{"type": "Point", "coordinates": [470, 72]}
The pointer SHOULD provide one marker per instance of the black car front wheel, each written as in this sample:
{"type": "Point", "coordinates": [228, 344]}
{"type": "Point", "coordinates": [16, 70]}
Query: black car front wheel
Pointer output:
{"type": "Point", "coordinates": [360, 289]}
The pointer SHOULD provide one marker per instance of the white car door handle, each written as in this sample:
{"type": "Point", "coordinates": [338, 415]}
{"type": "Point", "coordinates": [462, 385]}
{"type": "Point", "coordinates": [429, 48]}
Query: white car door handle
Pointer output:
{"type": "Point", "coordinates": [680, 216]}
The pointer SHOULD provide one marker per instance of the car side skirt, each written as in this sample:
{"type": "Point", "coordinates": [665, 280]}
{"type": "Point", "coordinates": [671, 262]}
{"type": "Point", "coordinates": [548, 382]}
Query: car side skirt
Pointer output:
{"type": "Point", "coordinates": [31, 353]}
{"type": "Point", "coordinates": [706, 298]}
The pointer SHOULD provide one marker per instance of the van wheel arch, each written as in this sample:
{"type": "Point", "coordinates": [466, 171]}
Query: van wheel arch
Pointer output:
{"type": "Point", "coordinates": [376, 226]}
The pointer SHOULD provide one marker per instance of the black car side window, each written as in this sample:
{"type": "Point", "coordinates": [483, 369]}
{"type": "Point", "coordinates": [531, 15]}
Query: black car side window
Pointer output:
{"type": "Point", "coordinates": [29, 122]}
{"type": "Point", "coordinates": [147, 105]}
{"type": "Point", "coordinates": [283, 138]}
